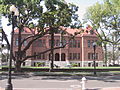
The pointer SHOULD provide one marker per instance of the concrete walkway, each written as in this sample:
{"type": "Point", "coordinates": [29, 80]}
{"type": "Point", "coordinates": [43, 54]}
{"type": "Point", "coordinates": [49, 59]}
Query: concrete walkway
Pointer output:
{"type": "Point", "coordinates": [112, 88]}
{"type": "Point", "coordinates": [101, 82]}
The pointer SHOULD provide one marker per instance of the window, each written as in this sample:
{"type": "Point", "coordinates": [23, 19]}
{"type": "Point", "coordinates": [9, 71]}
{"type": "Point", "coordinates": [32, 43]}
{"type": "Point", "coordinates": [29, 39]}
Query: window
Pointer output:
{"type": "Point", "coordinates": [50, 42]}
{"type": "Point", "coordinates": [16, 41]}
{"type": "Point", "coordinates": [64, 42]}
{"type": "Point", "coordinates": [70, 43]}
{"type": "Point", "coordinates": [96, 56]}
{"type": "Point", "coordinates": [74, 56]}
{"type": "Point", "coordinates": [70, 56]}
{"type": "Point", "coordinates": [89, 43]}
{"type": "Point", "coordinates": [92, 55]}
{"type": "Point", "coordinates": [57, 43]}
{"type": "Point", "coordinates": [25, 43]}
{"type": "Point", "coordinates": [89, 64]}
{"type": "Point", "coordinates": [78, 56]}
{"type": "Point", "coordinates": [89, 55]}
{"type": "Point", "coordinates": [78, 43]}
{"type": "Point", "coordinates": [74, 43]}
{"type": "Point", "coordinates": [92, 42]}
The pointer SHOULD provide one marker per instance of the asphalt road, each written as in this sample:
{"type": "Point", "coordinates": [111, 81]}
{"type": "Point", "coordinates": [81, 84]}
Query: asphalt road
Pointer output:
{"type": "Point", "coordinates": [60, 82]}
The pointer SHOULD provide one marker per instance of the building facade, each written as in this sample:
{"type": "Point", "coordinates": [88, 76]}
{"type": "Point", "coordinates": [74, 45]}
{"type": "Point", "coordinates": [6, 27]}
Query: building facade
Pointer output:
{"type": "Point", "coordinates": [77, 52]}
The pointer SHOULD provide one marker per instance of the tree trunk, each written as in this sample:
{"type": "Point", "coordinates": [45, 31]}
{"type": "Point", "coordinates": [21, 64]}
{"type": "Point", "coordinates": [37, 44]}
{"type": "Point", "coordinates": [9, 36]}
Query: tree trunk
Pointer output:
{"type": "Point", "coordinates": [113, 54]}
{"type": "Point", "coordinates": [52, 51]}
{"type": "Point", "coordinates": [18, 66]}
{"type": "Point", "coordinates": [105, 47]}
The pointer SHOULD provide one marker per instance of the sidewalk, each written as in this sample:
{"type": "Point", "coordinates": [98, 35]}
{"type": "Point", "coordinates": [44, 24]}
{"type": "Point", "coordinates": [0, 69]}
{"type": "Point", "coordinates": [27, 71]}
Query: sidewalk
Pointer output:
{"type": "Point", "coordinates": [113, 88]}
{"type": "Point", "coordinates": [60, 74]}
{"type": "Point", "coordinates": [108, 77]}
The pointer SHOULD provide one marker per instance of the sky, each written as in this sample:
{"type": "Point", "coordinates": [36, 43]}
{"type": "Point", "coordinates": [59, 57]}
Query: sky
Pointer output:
{"type": "Point", "coordinates": [82, 4]}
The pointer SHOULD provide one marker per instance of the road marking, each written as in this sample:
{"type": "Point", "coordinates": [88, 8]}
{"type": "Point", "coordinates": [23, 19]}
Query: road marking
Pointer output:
{"type": "Point", "coordinates": [75, 86]}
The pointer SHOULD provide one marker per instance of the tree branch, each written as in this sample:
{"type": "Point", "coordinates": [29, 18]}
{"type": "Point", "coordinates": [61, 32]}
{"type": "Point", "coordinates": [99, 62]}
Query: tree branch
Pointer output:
{"type": "Point", "coordinates": [37, 37]}
{"type": "Point", "coordinates": [8, 44]}
{"type": "Point", "coordinates": [43, 52]}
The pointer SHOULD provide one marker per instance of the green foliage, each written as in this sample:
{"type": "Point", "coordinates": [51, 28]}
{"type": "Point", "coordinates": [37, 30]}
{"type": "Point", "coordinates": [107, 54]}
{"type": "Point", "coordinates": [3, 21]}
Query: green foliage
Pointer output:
{"type": "Point", "coordinates": [56, 12]}
{"type": "Point", "coordinates": [40, 64]}
{"type": "Point", "coordinates": [74, 65]}
{"type": "Point", "coordinates": [45, 13]}
{"type": "Point", "coordinates": [105, 17]}
{"type": "Point", "coordinates": [105, 14]}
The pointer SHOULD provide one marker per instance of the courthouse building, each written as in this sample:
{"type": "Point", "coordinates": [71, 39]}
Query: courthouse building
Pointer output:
{"type": "Point", "coordinates": [78, 52]}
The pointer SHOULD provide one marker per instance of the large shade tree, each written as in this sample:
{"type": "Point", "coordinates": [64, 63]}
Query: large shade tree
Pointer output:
{"type": "Point", "coordinates": [46, 13]}
{"type": "Point", "coordinates": [105, 18]}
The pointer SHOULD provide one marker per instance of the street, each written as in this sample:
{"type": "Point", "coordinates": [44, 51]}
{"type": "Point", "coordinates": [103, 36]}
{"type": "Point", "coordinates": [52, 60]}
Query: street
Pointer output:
{"type": "Point", "coordinates": [60, 82]}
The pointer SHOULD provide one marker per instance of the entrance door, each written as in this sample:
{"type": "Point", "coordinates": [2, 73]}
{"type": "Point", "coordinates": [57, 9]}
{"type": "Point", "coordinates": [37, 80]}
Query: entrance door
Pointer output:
{"type": "Point", "coordinates": [63, 57]}
{"type": "Point", "coordinates": [57, 57]}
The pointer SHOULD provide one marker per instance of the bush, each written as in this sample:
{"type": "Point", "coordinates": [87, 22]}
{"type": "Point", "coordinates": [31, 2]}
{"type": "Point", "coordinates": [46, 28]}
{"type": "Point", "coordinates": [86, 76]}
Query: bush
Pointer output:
{"type": "Point", "coordinates": [39, 64]}
{"type": "Point", "coordinates": [115, 65]}
{"type": "Point", "coordinates": [74, 65]}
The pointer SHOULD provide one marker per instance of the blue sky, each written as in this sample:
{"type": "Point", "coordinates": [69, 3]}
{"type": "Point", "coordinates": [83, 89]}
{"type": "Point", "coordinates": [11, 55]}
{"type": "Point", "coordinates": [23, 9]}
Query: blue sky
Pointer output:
{"type": "Point", "coordinates": [83, 5]}
{"type": "Point", "coordinates": [84, 2]}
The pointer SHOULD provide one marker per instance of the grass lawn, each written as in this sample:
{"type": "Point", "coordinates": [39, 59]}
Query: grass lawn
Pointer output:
{"type": "Point", "coordinates": [33, 67]}
{"type": "Point", "coordinates": [69, 67]}
{"type": "Point", "coordinates": [91, 67]}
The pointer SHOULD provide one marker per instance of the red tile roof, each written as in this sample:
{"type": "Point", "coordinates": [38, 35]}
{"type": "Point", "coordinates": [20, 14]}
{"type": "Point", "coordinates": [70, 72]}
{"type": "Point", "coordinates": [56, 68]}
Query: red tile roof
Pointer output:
{"type": "Point", "coordinates": [68, 30]}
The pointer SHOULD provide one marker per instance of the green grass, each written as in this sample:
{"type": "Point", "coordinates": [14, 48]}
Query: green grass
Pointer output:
{"type": "Point", "coordinates": [107, 67]}
{"type": "Point", "coordinates": [33, 67]}
{"type": "Point", "coordinates": [91, 67]}
{"type": "Point", "coordinates": [70, 68]}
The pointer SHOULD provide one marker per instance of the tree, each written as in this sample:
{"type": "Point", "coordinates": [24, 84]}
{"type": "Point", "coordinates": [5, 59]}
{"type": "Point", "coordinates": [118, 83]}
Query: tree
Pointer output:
{"type": "Point", "coordinates": [47, 13]}
{"type": "Point", "coordinates": [105, 18]}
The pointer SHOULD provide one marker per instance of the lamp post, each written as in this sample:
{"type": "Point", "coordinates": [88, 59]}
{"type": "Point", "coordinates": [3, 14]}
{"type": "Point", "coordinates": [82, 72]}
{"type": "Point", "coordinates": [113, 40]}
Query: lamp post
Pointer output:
{"type": "Point", "coordinates": [14, 14]}
{"type": "Point", "coordinates": [0, 43]}
{"type": "Point", "coordinates": [94, 47]}
{"type": "Point", "coordinates": [1, 55]}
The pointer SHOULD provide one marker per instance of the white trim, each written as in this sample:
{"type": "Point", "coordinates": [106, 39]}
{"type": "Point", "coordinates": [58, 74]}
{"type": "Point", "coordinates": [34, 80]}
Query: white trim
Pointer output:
{"type": "Point", "coordinates": [82, 52]}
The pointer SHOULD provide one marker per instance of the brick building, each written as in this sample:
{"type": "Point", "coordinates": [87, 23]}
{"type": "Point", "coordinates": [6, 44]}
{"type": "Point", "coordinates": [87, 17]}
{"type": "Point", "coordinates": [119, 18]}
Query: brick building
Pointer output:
{"type": "Point", "coordinates": [78, 51]}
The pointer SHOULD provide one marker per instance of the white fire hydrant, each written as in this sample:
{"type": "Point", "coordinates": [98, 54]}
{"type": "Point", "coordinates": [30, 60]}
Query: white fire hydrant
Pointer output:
{"type": "Point", "coordinates": [83, 83]}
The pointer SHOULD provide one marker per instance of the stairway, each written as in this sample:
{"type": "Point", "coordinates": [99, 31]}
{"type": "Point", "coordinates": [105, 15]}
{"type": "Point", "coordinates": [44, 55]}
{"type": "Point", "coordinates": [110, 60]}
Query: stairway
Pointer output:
{"type": "Point", "coordinates": [58, 63]}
